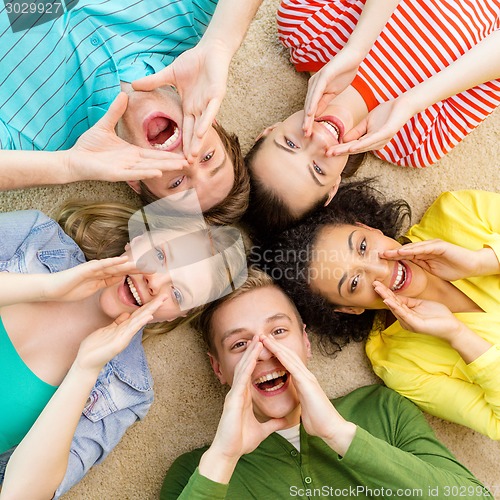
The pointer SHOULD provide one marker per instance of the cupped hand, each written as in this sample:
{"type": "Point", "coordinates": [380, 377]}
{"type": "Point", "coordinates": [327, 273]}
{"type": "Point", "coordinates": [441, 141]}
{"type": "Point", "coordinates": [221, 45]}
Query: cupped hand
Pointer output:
{"type": "Point", "coordinates": [200, 76]}
{"type": "Point", "coordinates": [418, 315]}
{"type": "Point", "coordinates": [85, 279]}
{"type": "Point", "coordinates": [376, 129]}
{"type": "Point", "coordinates": [440, 258]}
{"type": "Point", "coordinates": [104, 344]}
{"type": "Point", "coordinates": [99, 154]}
{"type": "Point", "coordinates": [318, 415]}
{"type": "Point", "coordinates": [239, 432]}
{"type": "Point", "coordinates": [326, 84]}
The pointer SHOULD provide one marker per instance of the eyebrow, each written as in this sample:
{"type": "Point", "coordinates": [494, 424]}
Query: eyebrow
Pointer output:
{"type": "Point", "coordinates": [309, 169]}
{"type": "Point", "coordinates": [268, 320]}
{"type": "Point", "coordinates": [219, 167]}
{"type": "Point", "coordinates": [344, 277]}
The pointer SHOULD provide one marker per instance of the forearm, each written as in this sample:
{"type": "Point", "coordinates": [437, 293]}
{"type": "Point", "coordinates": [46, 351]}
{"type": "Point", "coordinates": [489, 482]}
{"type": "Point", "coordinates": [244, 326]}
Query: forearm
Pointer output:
{"type": "Point", "coordinates": [16, 288]}
{"type": "Point", "coordinates": [22, 169]}
{"type": "Point", "coordinates": [239, 13]}
{"type": "Point", "coordinates": [39, 463]}
{"type": "Point", "coordinates": [478, 65]}
{"type": "Point", "coordinates": [374, 17]}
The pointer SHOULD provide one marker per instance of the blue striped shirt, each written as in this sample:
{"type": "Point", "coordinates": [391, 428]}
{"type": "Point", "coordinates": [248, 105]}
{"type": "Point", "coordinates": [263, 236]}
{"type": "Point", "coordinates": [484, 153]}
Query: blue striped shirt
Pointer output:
{"type": "Point", "coordinates": [58, 78]}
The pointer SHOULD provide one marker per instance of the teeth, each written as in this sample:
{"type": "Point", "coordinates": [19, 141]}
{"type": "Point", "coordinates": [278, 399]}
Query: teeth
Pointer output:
{"type": "Point", "coordinates": [331, 128]}
{"type": "Point", "coordinates": [169, 141]}
{"type": "Point", "coordinates": [270, 376]}
{"type": "Point", "coordinates": [134, 291]}
{"type": "Point", "coordinates": [275, 388]}
{"type": "Point", "coordinates": [400, 278]}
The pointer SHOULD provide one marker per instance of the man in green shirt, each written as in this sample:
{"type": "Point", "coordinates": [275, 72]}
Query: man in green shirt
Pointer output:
{"type": "Point", "coordinates": [279, 436]}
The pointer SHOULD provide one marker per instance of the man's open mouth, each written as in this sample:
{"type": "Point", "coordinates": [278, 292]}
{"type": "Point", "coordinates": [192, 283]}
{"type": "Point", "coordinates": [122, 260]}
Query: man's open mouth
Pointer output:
{"type": "Point", "coordinates": [162, 132]}
{"type": "Point", "coordinates": [272, 381]}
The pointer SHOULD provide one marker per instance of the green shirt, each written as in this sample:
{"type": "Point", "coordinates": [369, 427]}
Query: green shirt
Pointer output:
{"type": "Point", "coordinates": [393, 449]}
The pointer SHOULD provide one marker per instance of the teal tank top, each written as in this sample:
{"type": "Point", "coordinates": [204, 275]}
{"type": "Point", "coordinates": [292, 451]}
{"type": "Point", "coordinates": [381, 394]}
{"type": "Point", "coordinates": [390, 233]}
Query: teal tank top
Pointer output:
{"type": "Point", "coordinates": [22, 393]}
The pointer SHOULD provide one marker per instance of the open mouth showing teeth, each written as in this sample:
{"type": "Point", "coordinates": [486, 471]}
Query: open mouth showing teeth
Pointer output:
{"type": "Point", "coordinates": [400, 278]}
{"type": "Point", "coordinates": [133, 291]}
{"type": "Point", "coordinates": [333, 129]}
{"type": "Point", "coordinates": [272, 381]}
{"type": "Point", "coordinates": [162, 133]}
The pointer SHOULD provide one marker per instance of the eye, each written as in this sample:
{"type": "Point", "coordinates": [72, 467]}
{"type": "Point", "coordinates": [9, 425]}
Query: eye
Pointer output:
{"type": "Point", "coordinates": [176, 183]}
{"type": "Point", "coordinates": [240, 345]}
{"type": "Point", "coordinates": [160, 254]}
{"type": "Point", "coordinates": [208, 157]}
{"type": "Point", "coordinates": [290, 143]}
{"type": "Point", "coordinates": [362, 247]}
{"type": "Point", "coordinates": [279, 331]}
{"type": "Point", "coordinates": [318, 169]}
{"type": "Point", "coordinates": [354, 284]}
{"type": "Point", "coordinates": [178, 298]}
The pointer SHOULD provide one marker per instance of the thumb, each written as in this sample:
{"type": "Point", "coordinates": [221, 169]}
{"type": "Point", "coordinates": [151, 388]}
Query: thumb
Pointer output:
{"type": "Point", "coordinates": [273, 425]}
{"type": "Point", "coordinates": [356, 132]}
{"type": "Point", "coordinates": [164, 77]}
{"type": "Point", "coordinates": [123, 317]}
{"type": "Point", "coordinates": [115, 112]}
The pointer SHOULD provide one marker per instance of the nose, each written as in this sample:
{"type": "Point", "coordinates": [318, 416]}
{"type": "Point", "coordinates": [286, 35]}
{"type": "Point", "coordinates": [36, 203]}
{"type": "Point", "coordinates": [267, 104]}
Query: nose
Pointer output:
{"type": "Point", "coordinates": [156, 283]}
{"type": "Point", "coordinates": [265, 354]}
{"type": "Point", "coordinates": [319, 140]}
{"type": "Point", "coordinates": [378, 269]}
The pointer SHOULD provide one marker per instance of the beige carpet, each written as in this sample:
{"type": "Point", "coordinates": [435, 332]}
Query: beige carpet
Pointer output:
{"type": "Point", "coordinates": [264, 88]}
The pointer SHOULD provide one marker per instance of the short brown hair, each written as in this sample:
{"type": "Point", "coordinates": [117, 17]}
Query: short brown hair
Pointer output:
{"type": "Point", "coordinates": [267, 214]}
{"type": "Point", "coordinates": [232, 208]}
{"type": "Point", "coordinates": [256, 279]}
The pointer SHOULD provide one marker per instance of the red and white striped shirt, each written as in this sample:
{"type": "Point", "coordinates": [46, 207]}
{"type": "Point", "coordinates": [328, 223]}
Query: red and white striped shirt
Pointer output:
{"type": "Point", "coordinates": [420, 39]}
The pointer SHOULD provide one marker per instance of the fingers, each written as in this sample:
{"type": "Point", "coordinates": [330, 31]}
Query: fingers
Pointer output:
{"type": "Point", "coordinates": [393, 300]}
{"type": "Point", "coordinates": [287, 357]}
{"type": "Point", "coordinates": [246, 365]}
{"type": "Point", "coordinates": [115, 112]}
{"type": "Point", "coordinates": [350, 143]}
{"type": "Point", "coordinates": [151, 82]}
{"type": "Point", "coordinates": [420, 249]}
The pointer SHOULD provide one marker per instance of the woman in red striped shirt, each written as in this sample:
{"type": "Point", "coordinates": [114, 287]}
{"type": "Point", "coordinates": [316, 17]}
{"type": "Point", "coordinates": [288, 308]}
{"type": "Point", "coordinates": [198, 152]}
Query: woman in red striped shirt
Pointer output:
{"type": "Point", "coordinates": [405, 79]}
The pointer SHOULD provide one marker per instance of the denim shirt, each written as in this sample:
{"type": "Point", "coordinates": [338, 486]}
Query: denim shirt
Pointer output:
{"type": "Point", "coordinates": [31, 242]}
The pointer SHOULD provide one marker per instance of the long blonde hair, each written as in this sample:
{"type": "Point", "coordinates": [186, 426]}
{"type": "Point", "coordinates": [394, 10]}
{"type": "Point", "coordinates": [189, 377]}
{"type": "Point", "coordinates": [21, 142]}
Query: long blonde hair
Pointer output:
{"type": "Point", "coordinates": [101, 230]}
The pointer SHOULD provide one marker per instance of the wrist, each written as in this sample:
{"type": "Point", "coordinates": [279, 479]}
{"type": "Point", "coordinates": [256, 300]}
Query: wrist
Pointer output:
{"type": "Point", "coordinates": [69, 171]}
{"type": "Point", "coordinates": [486, 262]}
{"type": "Point", "coordinates": [341, 436]}
{"type": "Point", "coordinates": [217, 466]}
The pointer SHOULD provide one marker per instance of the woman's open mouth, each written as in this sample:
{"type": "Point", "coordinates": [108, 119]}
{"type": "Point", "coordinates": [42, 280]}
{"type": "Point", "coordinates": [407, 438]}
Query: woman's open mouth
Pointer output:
{"type": "Point", "coordinates": [401, 277]}
{"type": "Point", "coordinates": [333, 126]}
{"type": "Point", "coordinates": [128, 293]}
{"type": "Point", "coordinates": [162, 132]}
{"type": "Point", "coordinates": [271, 383]}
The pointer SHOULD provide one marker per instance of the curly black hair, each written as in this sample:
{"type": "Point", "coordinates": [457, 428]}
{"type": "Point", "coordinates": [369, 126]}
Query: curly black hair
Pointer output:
{"type": "Point", "coordinates": [287, 258]}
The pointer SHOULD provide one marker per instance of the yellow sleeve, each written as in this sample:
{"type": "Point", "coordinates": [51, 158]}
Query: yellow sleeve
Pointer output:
{"type": "Point", "coordinates": [472, 220]}
{"type": "Point", "coordinates": [475, 404]}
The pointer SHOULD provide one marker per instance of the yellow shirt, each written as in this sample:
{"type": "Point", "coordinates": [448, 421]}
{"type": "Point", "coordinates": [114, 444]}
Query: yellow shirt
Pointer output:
{"type": "Point", "coordinates": [428, 370]}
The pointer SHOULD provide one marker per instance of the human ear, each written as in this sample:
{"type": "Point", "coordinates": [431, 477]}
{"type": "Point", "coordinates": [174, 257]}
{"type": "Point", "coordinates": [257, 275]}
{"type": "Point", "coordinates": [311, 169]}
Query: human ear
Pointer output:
{"type": "Point", "coordinates": [214, 363]}
{"type": "Point", "coordinates": [135, 185]}
{"type": "Point", "coordinates": [349, 309]}
{"type": "Point", "coordinates": [266, 131]}
{"type": "Point", "coordinates": [332, 192]}
{"type": "Point", "coordinates": [369, 228]}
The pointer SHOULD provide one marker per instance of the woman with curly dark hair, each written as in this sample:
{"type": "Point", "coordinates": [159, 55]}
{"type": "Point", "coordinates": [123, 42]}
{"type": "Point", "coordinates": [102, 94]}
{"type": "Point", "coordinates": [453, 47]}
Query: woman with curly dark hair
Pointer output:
{"type": "Point", "coordinates": [436, 335]}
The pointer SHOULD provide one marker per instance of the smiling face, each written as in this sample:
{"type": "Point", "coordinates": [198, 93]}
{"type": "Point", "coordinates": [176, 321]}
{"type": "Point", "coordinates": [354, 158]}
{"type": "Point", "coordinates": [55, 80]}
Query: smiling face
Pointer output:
{"type": "Point", "coordinates": [181, 267]}
{"type": "Point", "coordinates": [262, 311]}
{"type": "Point", "coordinates": [296, 167]}
{"type": "Point", "coordinates": [345, 263]}
{"type": "Point", "coordinates": [153, 120]}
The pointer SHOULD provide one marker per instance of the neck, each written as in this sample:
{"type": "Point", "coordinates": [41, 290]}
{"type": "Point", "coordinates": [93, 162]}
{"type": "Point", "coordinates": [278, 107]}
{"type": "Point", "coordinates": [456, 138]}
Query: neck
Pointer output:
{"type": "Point", "coordinates": [446, 293]}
